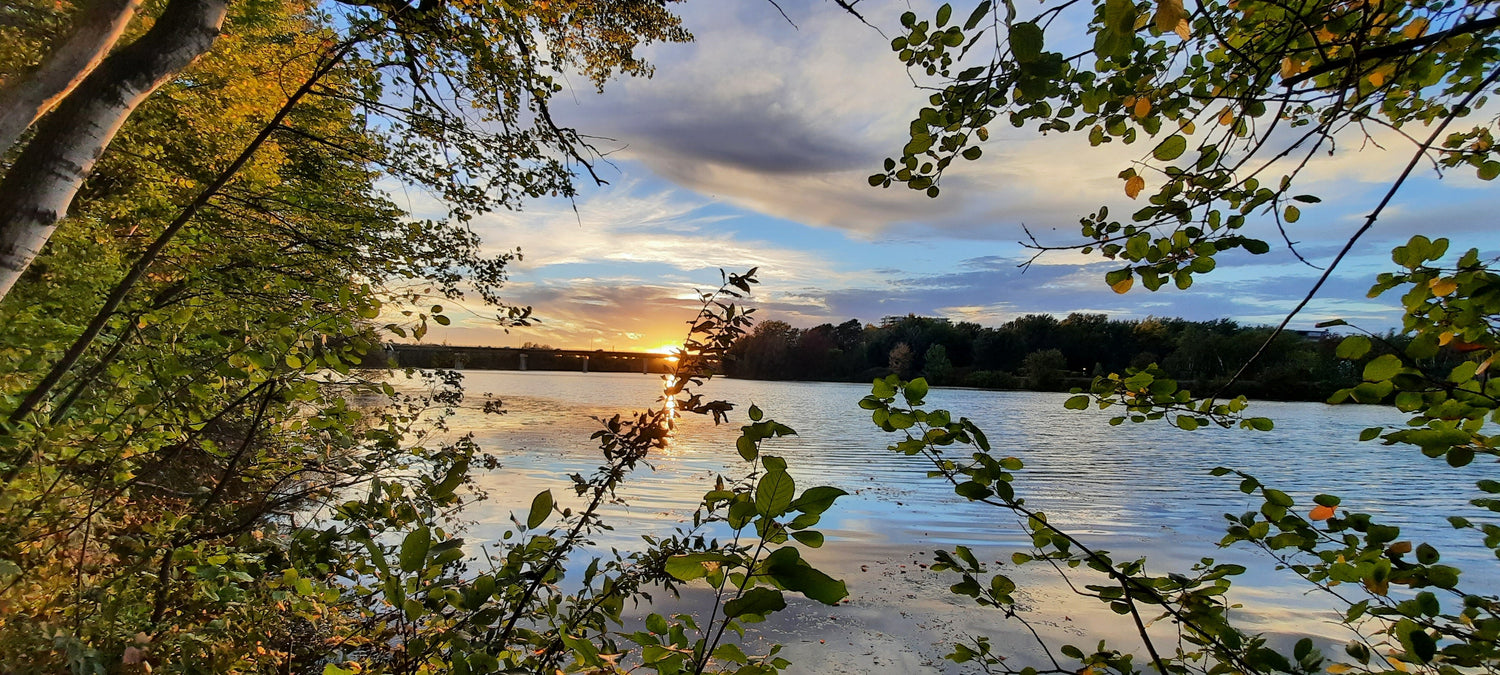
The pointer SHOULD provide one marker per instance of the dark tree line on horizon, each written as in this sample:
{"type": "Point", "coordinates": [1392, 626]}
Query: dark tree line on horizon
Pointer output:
{"type": "Point", "coordinates": [1042, 352]}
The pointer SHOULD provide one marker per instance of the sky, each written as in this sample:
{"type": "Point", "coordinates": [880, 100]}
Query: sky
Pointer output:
{"type": "Point", "coordinates": [750, 147]}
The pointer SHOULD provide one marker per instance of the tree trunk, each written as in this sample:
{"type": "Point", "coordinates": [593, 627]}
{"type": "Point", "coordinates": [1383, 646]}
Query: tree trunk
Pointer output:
{"type": "Point", "coordinates": [40, 186]}
{"type": "Point", "coordinates": [27, 97]}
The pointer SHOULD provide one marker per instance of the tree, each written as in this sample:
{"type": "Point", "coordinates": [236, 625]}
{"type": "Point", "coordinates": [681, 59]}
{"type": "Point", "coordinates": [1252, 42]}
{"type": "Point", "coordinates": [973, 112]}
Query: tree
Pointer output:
{"type": "Point", "coordinates": [1237, 97]}
{"type": "Point", "coordinates": [900, 359]}
{"type": "Point", "coordinates": [936, 366]}
{"type": "Point", "coordinates": [1045, 369]}
{"type": "Point", "coordinates": [198, 477]}
{"type": "Point", "coordinates": [495, 60]}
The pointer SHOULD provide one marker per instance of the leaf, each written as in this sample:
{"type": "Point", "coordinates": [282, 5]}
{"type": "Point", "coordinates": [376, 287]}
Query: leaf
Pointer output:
{"type": "Point", "coordinates": [696, 565]}
{"type": "Point", "coordinates": [977, 15]}
{"type": "Point", "coordinates": [786, 566]}
{"type": "Point", "coordinates": [1134, 186]}
{"type": "Point", "coordinates": [816, 500]}
{"type": "Point", "coordinates": [916, 391]}
{"type": "Point", "coordinates": [541, 507]}
{"type": "Point", "coordinates": [1383, 367]}
{"type": "Point", "coordinates": [809, 538]}
{"type": "Point", "coordinates": [944, 13]}
{"type": "Point", "coordinates": [1171, 148]}
{"type": "Point", "coordinates": [759, 601]}
{"type": "Point", "coordinates": [1321, 512]}
{"type": "Point", "coordinates": [1123, 285]}
{"type": "Point", "coordinates": [1353, 347]}
{"type": "Point", "coordinates": [1277, 497]}
{"type": "Point", "coordinates": [774, 493]}
{"type": "Point", "coordinates": [747, 447]}
{"type": "Point", "coordinates": [1292, 214]}
{"type": "Point", "coordinates": [1026, 42]}
{"type": "Point", "coordinates": [1171, 17]}
{"type": "Point", "coordinates": [1079, 402]}
{"type": "Point", "coordinates": [414, 549]}
{"type": "Point", "coordinates": [1442, 287]}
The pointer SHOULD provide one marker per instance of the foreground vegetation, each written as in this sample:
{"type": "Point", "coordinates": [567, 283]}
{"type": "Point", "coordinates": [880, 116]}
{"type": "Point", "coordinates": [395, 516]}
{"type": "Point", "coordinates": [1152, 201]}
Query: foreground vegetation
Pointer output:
{"type": "Point", "coordinates": [194, 252]}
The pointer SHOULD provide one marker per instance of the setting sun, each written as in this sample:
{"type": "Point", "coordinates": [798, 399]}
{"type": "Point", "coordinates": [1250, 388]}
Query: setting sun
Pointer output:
{"type": "Point", "coordinates": [670, 350]}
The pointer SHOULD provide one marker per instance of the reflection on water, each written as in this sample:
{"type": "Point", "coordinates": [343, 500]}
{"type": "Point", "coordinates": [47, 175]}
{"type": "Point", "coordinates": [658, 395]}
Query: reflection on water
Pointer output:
{"type": "Point", "coordinates": [1134, 489]}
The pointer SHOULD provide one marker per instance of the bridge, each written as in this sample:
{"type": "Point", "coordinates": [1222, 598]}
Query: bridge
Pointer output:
{"type": "Point", "coordinates": [517, 358]}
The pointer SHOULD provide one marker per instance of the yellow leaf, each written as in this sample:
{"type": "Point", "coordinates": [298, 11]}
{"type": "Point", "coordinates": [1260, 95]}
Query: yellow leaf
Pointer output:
{"type": "Point", "coordinates": [1123, 285]}
{"type": "Point", "coordinates": [1290, 67]}
{"type": "Point", "coordinates": [1415, 29]}
{"type": "Point", "coordinates": [1170, 15]}
{"type": "Point", "coordinates": [1444, 339]}
{"type": "Point", "coordinates": [1183, 30]}
{"type": "Point", "coordinates": [1441, 287]}
{"type": "Point", "coordinates": [1134, 186]}
{"type": "Point", "coordinates": [1142, 107]}
{"type": "Point", "coordinates": [1226, 118]}
{"type": "Point", "coordinates": [1485, 365]}
{"type": "Point", "coordinates": [1339, 668]}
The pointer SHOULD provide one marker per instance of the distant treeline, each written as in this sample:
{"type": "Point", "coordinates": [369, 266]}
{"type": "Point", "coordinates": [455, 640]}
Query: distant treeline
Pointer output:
{"type": "Point", "coordinates": [1041, 352]}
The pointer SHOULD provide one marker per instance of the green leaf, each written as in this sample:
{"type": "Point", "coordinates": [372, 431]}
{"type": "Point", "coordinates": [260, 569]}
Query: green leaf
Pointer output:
{"type": "Point", "coordinates": [816, 500]}
{"type": "Point", "coordinates": [916, 391]}
{"type": "Point", "coordinates": [696, 565]}
{"type": "Point", "coordinates": [748, 449]}
{"type": "Point", "coordinates": [1026, 41]}
{"type": "Point", "coordinates": [972, 490]}
{"type": "Point", "coordinates": [541, 507]}
{"type": "Point", "coordinates": [1383, 367]}
{"type": "Point", "coordinates": [977, 15]}
{"type": "Point", "coordinates": [809, 538]}
{"type": "Point", "coordinates": [774, 493]}
{"type": "Point", "coordinates": [1079, 402]}
{"type": "Point", "coordinates": [759, 601]}
{"type": "Point", "coordinates": [1171, 148]}
{"type": "Point", "coordinates": [1278, 498]}
{"type": "Point", "coordinates": [755, 413]}
{"type": "Point", "coordinates": [731, 652]}
{"type": "Point", "coordinates": [1353, 347]}
{"type": "Point", "coordinates": [786, 566]}
{"type": "Point", "coordinates": [414, 549]}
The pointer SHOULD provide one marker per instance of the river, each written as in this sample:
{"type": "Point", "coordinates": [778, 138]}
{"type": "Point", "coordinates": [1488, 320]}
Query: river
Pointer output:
{"type": "Point", "coordinates": [1132, 489]}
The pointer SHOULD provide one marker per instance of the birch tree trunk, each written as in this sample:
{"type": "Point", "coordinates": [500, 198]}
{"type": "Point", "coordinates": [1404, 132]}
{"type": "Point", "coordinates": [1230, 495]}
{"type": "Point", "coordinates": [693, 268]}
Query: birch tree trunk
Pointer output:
{"type": "Point", "coordinates": [38, 189]}
{"type": "Point", "coordinates": [28, 96]}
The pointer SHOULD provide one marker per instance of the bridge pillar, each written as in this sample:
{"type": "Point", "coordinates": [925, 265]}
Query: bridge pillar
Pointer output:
{"type": "Point", "coordinates": [645, 365]}
{"type": "Point", "coordinates": [585, 363]}
{"type": "Point", "coordinates": [523, 360]}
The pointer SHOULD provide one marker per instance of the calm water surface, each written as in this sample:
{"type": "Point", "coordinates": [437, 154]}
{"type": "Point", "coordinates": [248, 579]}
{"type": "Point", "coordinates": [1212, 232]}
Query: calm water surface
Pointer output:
{"type": "Point", "coordinates": [1137, 489]}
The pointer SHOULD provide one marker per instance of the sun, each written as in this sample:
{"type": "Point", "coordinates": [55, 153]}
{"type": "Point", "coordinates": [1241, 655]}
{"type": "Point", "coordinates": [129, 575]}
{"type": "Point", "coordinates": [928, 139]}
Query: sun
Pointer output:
{"type": "Point", "coordinates": [670, 350]}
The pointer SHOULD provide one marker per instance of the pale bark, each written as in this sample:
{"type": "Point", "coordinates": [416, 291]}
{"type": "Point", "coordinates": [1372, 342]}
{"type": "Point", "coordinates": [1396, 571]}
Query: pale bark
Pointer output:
{"type": "Point", "coordinates": [39, 188]}
{"type": "Point", "coordinates": [28, 96]}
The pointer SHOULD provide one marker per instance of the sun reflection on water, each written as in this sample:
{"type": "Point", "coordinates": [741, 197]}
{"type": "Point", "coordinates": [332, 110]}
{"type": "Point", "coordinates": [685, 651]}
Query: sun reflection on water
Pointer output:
{"type": "Point", "coordinates": [668, 404]}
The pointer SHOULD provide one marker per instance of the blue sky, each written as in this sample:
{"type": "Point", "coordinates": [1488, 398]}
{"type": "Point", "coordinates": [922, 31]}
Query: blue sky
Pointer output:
{"type": "Point", "coordinates": [750, 147]}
